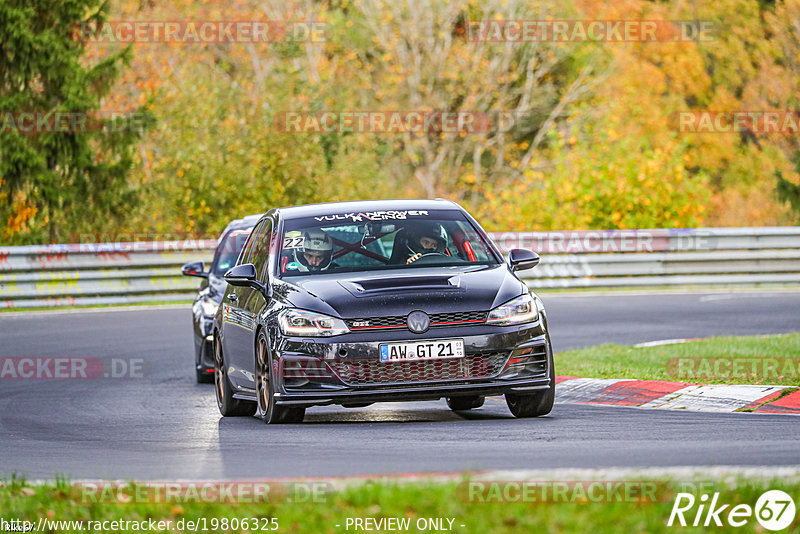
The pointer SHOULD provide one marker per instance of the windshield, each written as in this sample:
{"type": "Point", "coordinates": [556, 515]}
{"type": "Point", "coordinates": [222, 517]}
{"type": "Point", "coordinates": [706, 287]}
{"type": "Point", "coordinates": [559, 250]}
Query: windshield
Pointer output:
{"type": "Point", "coordinates": [228, 250]}
{"type": "Point", "coordinates": [353, 242]}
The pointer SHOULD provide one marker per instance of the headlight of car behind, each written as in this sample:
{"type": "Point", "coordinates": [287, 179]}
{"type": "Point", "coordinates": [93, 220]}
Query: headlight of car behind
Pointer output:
{"type": "Point", "coordinates": [209, 307]}
{"type": "Point", "coordinates": [306, 323]}
{"type": "Point", "coordinates": [519, 310]}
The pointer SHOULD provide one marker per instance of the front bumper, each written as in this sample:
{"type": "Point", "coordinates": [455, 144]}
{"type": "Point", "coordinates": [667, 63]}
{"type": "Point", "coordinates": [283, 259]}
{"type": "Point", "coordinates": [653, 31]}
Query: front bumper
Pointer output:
{"type": "Point", "coordinates": [414, 392]}
{"type": "Point", "coordinates": [498, 360]}
{"type": "Point", "coordinates": [203, 341]}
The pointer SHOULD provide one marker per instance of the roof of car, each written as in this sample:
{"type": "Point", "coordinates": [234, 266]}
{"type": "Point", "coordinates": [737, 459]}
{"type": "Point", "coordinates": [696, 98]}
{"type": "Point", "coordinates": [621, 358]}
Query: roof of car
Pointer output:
{"type": "Point", "coordinates": [245, 222]}
{"type": "Point", "coordinates": [313, 210]}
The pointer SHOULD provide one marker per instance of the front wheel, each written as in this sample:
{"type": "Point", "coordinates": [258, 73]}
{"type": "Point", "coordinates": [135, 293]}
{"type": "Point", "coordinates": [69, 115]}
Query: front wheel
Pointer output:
{"type": "Point", "coordinates": [539, 403]}
{"type": "Point", "coordinates": [228, 406]}
{"type": "Point", "coordinates": [267, 410]}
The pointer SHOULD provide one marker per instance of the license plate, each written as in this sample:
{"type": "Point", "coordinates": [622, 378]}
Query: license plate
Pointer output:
{"type": "Point", "coordinates": [430, 349]}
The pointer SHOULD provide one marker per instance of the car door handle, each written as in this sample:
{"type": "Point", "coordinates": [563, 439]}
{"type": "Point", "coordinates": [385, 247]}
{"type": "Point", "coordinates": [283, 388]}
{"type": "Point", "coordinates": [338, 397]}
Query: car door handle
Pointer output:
{"type": "Point", "coordinates": [233, 297]}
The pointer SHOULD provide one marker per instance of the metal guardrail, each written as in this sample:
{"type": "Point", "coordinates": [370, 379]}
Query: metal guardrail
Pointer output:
{"type": "Point", "coordinates": [669, 257]}
{"type": "Point", "coordinates": [119, 273]}
{"type": "Point", "coordinates": [99, 273]}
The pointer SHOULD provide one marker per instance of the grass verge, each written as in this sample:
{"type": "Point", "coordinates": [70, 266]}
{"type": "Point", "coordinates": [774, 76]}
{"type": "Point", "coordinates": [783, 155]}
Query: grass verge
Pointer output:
{"type": "Point", "coordinates": [771, 360]}
{"type": "Point", "coordinates": [569, 512]}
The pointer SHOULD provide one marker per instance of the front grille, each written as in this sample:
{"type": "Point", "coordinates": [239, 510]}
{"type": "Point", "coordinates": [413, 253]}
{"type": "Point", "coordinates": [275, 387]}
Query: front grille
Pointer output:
{"type": "Point", "coordinates": [400, 321]}
{"type": "Point", "coordinates": [363, 372]}
{"type": "Point", "coordinates": [396, 321]}
{"type": "Point", "coordinates": [445, 319]}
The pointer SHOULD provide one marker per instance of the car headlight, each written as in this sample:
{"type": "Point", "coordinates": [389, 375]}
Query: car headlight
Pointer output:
{"type": "Point", "coordinates": [209, 307]}
{"type": "Point", "coordinates": [522, 309]}
{"type": "Point", "coordinates": [306, 323]}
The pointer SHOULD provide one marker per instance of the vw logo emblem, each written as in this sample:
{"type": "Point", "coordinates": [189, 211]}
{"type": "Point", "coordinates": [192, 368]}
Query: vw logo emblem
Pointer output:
{"type": "Point", "coordinates": [418, 322]}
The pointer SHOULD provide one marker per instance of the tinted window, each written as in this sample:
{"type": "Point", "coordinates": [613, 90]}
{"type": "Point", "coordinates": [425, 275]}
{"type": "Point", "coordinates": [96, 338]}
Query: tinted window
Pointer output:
{"type": "Point", "coordinates": [335, 244]}
{"type": "Point", "coordinates": [229, 249]}
{"type": "Point", "coordinates": [260, 255]}
{"type": "Point", "coordinates": [245, 258]}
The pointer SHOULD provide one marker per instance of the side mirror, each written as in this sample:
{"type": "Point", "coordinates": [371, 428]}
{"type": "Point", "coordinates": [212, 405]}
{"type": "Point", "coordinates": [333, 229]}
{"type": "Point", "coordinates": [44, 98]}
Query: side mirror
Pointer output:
{"type": "Point", "coordinates": [521, 259]}
{"type": "Point", "coordinates": [242, 275]}
{"type": "Point", "coordinates": [194, 268]}
{"type": "Point", "coordinates": [245, 276]}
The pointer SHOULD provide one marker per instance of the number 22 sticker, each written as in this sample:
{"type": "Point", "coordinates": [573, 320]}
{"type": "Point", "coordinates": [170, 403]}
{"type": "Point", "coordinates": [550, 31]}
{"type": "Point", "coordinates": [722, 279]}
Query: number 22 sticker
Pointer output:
{"type": "Point", "coordinates": [293, 242]}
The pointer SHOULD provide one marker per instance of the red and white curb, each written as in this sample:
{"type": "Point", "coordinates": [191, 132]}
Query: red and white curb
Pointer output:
{"type": "Point", "coordinates": [676, 395]}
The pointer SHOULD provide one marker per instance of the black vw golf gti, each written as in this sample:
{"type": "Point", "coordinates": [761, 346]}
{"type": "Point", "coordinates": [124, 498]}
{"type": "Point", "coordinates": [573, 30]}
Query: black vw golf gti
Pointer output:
{"type": "Point", "coordinates": [359, 302]}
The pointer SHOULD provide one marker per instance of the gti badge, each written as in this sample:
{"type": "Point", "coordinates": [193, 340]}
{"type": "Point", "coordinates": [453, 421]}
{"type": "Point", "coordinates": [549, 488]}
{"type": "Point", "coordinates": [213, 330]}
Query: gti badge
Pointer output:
{"type": "Point", "coordinates": [418, 322]}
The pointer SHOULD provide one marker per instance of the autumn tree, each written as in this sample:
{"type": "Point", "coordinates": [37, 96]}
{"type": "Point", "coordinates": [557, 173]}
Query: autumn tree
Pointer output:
{"type": "Point", "coordinates": [56, 183]}
{"type": "Point", "coordinates": [782, 83]}
{"type": "Point", "coordinates": [424, 56]}
{"type": "Point", "coordinates": [580, 133]}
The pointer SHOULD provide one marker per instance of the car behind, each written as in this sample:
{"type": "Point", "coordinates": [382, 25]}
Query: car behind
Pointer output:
{"type": "Point", "coordinates": [212, 287]}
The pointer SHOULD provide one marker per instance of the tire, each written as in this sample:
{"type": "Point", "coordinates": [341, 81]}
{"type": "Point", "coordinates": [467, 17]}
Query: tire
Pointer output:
{"type": "Point", "coordinates": [539, 403]}
{"type": "Point", "coordinates": [266, 409]}
{"type": "Point", "coordinates": [203, 377]}
{"type": "Point", "coordinates": [228, 406]}
{"type": "Point", "coordinates": [199, 370]}
{"type": "Point", "coordinates": [460, 404]}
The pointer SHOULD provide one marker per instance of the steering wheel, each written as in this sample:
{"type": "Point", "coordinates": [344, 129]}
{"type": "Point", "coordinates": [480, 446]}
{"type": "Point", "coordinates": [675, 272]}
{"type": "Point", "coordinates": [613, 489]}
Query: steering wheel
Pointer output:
{"type": "Point", "coordinates": [431, 256]}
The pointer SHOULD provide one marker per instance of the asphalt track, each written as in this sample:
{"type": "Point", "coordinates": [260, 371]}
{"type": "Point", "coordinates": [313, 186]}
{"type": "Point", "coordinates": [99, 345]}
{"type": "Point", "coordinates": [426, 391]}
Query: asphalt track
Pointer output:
{"type": "Point", "coordinates": [161, 425]}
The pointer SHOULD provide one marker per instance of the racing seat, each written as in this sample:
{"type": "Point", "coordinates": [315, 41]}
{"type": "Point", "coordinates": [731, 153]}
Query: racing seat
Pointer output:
{"type": "Point", "coordinates": [399, 249]}
{"type": "Point", "coordinates": [463, 246]}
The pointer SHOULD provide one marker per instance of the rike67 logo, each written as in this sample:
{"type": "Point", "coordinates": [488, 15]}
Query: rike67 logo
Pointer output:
{"type": "Point", "coordinates": [774, 511]}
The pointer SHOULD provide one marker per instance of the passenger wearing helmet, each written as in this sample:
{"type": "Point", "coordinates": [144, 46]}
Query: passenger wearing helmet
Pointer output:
{"type": "Point", "coordinates": [316, 252]}
{"type": "Point", "coordinates": [424, 238]}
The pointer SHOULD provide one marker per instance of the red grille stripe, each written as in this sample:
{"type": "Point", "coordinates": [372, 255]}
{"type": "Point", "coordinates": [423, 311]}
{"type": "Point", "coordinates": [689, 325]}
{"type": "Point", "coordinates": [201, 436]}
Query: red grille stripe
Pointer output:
{"type": "Point", "coordinates": [432, 324]}
{"type": "Point", "coordinates": [380, 326]}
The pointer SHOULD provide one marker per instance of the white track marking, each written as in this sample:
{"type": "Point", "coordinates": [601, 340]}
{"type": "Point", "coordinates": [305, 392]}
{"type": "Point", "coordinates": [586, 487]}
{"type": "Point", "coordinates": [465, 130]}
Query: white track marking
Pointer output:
{"type": "Point", "coordinates": [713, 398]}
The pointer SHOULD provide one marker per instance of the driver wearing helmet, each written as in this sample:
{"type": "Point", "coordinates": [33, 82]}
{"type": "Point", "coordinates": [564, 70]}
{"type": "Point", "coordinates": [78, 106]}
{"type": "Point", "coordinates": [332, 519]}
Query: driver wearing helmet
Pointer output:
{"type": "Point", "coordinates": [425, 238]}
{"type": "Point", "coordinates": [316, 252]}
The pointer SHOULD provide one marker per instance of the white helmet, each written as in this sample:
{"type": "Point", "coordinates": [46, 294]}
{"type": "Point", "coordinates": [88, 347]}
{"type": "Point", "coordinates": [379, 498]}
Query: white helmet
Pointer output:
{"type": "Point", "coordinates": [314, 241]}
